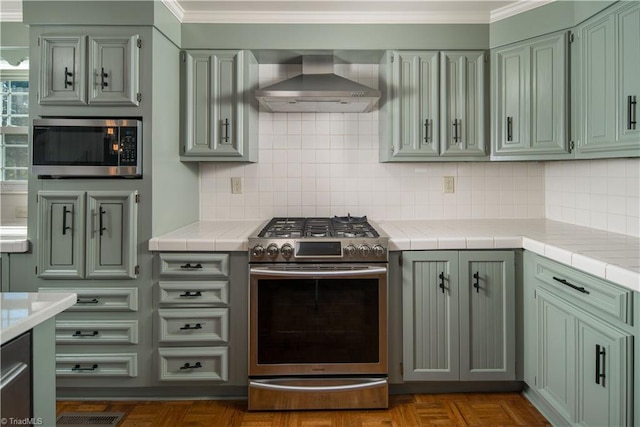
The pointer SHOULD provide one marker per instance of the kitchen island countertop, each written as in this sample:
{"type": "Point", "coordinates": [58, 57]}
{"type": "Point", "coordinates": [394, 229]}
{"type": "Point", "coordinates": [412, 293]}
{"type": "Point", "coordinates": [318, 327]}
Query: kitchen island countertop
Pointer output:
{"type": "Point", "coordinates": [13, 239]}
{"type": "Point", "coordinates": [611, 256]}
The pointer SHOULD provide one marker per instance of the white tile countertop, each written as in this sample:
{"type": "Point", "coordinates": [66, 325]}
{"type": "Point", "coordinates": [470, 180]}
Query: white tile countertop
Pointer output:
{"type": "Point", "coordinates": [22, 311]}
{"type": "Point", "coordinates": [611, 256]}
{"type": "Point", "coordinates": [13, 239]}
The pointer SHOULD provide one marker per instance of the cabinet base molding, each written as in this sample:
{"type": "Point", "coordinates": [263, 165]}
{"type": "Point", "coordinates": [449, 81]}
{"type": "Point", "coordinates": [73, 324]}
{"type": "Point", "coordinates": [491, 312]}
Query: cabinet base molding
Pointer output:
{"type": "Point", "coordinates": [545, 409]}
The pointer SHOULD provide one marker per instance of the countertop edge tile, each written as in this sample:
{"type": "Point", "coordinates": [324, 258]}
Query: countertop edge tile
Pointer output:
{"type": "Point", "coordinates": [623, 277]}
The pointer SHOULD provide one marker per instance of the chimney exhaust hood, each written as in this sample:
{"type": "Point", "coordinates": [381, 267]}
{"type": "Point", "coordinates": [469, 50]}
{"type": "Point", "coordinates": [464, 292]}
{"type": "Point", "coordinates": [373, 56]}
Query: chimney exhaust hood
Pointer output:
{"type": "Point", "coordinates": [318, 90]}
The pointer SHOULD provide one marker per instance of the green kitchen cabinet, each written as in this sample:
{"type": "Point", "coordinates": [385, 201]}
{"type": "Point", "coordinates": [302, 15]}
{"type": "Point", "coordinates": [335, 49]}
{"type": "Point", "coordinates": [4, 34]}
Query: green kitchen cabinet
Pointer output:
{"type": "Point", "coordinates": [219, 116]}
{"type": "Point", "coordinates": [608, 86]}
{"type": "Point", "coordinates": [458, 315]}
{"type": "Point", "coordinates": [90, 69]}
{"type": "Point", "coordinates": [530, 99]}
{"type": "Point", "coordinates": [88, 235]}
{"type": "Point", "coordinates": [433, 106]}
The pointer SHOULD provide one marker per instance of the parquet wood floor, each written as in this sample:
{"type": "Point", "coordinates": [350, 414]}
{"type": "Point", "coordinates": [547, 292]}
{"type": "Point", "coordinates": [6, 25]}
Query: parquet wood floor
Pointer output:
{"type": "Point", "coordinates": [459, 409]}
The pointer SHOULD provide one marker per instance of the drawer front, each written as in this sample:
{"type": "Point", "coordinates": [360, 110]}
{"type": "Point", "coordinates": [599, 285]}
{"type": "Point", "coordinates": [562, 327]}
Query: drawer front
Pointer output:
{"type": "Point", "coordinates": [193, 364]}
{"type": "Point", "coordinates": [187, 325]}
{"type": "Point", "coordinates": [597, 294]}
{"type": "Point", "coordinates": [193, 265]}
{"type": "Point", "coordinates": [96, 331]}
{"type": "Point", "coordinates": [193, 294]}
{"type": "Point", "coordinates": [101, 299]}
{"type": "Point", "coordinates": [97, 365]}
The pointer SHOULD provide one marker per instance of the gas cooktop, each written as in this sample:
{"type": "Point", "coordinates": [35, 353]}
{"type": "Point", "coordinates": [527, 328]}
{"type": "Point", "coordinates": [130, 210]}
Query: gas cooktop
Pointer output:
{"type": "Point", "coordinates": [344, 238]}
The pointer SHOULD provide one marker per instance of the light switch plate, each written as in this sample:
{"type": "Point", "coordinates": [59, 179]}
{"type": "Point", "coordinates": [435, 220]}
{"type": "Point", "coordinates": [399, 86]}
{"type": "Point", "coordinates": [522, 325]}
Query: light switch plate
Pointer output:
{"type": "Point", "coordinates": [448, 185]}
{"type": "Point", "coordinates": [236, 185]}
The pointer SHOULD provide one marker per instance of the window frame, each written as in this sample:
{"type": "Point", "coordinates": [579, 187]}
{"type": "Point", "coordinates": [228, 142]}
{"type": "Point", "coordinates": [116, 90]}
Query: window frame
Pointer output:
{"type": "Point", "coordinates": [14, 186]}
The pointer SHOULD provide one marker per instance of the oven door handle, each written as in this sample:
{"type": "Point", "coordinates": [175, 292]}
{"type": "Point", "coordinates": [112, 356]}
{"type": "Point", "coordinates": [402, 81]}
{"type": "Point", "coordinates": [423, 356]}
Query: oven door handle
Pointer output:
{"type": "Point", "coordinates": [364, 383]}
{"type": "Point", "coordinates": [315, 272]}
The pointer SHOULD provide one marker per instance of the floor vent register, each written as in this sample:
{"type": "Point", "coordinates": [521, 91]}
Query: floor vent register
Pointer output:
{"type": "Point", "coordinates": [89, 419]}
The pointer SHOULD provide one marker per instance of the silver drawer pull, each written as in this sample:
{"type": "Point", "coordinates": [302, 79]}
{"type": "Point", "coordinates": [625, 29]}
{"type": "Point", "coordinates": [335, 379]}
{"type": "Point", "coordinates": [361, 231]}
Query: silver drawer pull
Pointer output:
{"type": "Point", "coordinates": [191, 294]}
{"type": "Point", "coordinates": [85, 334]}
{"type": "Point", "coordinates": [79, 368]}
{"type": "Point", "coordinates": [188, 366]}
{"type": "Point", "coordinates": [577, 288]}
{"type": "Point", "coordinates": [189, 327]}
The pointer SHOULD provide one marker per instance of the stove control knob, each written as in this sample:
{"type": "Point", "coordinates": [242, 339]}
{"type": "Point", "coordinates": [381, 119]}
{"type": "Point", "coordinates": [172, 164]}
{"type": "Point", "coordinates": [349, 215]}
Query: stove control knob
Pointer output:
{"type": "Point", "coordinates": [258, 251]}
{"type": "Point", "coordinates": [286, 250]}
{"type": "Point", "coordinates": [350, 250]}
{"type": "Point", "coordinates": [378, 250]}
{"type": "Point", "coordinates": [272, 250]}
{"type": "Point", "coordinates": [365, 250]}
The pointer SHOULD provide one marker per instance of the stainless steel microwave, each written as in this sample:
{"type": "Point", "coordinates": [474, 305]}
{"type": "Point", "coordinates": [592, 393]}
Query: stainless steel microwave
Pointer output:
{"type": "Point", "coordinates": [87, 147]}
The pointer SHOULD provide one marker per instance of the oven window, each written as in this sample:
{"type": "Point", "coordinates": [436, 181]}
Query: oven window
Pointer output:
{"type": "Point", "coordinates": [318, 321]}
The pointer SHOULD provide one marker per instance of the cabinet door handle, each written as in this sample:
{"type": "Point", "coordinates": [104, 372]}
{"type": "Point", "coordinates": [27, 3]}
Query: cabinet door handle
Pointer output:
{"type": "Point", "coordinates": [427, 126]}
{"type": "Point", "coordinates": [632, 104]}
{"type": "Point", "coordinates": [509, 128]}
{"type": "Point", "coordinates": [188, 265]}
{"type": "Point", "coordinates": [188, 366]}
{"type": "Point", "coordinates": [600, 364]}
{"type": "Point", "coordinates": [188, 327]}
{"type": "Point", "coordinates": [476, 283]}
{"type": "Point", "coordinates": [103, 76]}
{"type": "Point", "coordinates": [455, 131]}
{"type": "Point", "coordinates": [85, 334]}
{"type": "Point", "coordinates": [101, 221]}
{"type": "Point", "coordinates": [191, 294]}
{"type": "Point", "coordinates": [79, 368]}
{"type": "Point", "coordinates": [441, 276]}
{"type": "Point", "coordinates": [225, 126]}
{"type": "Point", "coordinates": [577, 288]}
{"type": "Point", "coordinates": [87, 301]}
{"type": "Point", "coordinates": [65, 211]}
{"type": "Point", "coordinates": [67, 83]}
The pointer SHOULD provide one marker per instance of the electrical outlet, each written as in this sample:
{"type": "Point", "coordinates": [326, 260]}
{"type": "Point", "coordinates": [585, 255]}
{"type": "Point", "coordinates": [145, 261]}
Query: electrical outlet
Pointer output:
{"type": "Point", "coordinates": [236, 185]}
{"type": "Point", "coordinates": [449, 185]}
{"type": "Point", "coordinates": [21, 212]}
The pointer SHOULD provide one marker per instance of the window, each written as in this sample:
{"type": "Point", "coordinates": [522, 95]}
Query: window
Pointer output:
{"type": "Point", "coordinates": [14, 125]}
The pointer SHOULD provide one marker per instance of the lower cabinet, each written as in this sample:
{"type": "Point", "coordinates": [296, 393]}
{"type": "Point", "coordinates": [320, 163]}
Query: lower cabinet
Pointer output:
{"type": "Point", "coordinates": [458, 315]}
{"type": "Point", "coordinates": [581, 345]}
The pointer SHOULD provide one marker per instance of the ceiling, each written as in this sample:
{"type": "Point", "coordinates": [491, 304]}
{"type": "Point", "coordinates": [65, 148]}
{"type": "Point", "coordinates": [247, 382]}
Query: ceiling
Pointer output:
{"type": "Point", "coordinates": [330, 11]}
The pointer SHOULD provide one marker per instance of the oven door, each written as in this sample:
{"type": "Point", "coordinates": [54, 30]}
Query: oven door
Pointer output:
{"type": "Point", "coordinates": [318, 320]}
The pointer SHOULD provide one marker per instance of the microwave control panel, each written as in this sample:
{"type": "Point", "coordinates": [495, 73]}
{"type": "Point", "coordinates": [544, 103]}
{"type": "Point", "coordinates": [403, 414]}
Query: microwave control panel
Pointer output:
{"type": "Point", "coordinates": [128, 146]}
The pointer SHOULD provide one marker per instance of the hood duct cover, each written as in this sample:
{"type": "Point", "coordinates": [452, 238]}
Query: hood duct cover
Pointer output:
{"type": "Point", "coordinates": [318, 90]}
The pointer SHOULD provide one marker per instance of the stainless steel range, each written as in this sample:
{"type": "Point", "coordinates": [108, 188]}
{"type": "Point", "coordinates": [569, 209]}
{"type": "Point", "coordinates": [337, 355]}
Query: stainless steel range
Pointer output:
{"type": "Point", "coordinates": [318, 315]}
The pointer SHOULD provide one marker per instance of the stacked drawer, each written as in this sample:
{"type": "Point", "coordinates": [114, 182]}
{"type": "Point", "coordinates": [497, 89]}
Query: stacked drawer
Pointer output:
{"type": "Point", "coordinates": [193, 316]}
{"type": "Point", "coordinates": [92, 338]}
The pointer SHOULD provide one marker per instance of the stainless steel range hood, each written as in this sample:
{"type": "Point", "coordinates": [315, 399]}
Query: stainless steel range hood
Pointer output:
{"type": "Point", "coordinates": [318, 90]}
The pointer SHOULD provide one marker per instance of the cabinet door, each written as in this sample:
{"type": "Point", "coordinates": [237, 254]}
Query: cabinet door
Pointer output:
{"type": "Point", "coordinates": [62, 74]}
{"type": "Point", "coordinates": [430, 315]}
{"type": "Point", "coordinates": [628, 24]}
{"type": "Point", "coordinates": [487, 316]}
{"type": "Point", "coordinates": [604, 379]}
{"type": "Point", "coordinates": [111, 234]}
{"type": "Point", "coordinates": [113, 70]}
{"type": "Point", "coordinates": [60, 243]}
{"type": "Point", "coordinates": [463, 104]}
{"type": "Point", "coordinates": [556, 378]}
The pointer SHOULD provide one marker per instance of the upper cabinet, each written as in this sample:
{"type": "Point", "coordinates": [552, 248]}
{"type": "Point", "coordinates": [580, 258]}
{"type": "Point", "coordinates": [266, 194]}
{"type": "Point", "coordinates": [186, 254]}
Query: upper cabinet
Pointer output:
{"type": "Point", "coordinates": [608, 87]}
{"type": "Point", "coordinates": [433, 106]}
{"type": "Point", "coordinates": [530, 99]}
{"type": "Point", "coordinates": [95, 70]}
{"type": "Point", "coordinates": [219, 112]}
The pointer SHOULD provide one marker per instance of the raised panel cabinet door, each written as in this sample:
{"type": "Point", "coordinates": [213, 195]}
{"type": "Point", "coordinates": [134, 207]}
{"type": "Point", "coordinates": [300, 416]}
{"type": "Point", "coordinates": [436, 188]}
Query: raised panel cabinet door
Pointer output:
{"type": "Point", "coordinates": [556, 376]}
{"type": "Point", "coordinates": [598, 85]}
{"type": "Point", "coordinates": [628, 25]}
{"type": "Point", "coordinates": [197, 71]}
{"type": "Point", "coordinates": [548, 95]}
{"type": "Point", "coordinates": [487, 316]}
{"type": "Point", "coordinates": [463, 104]}
{"type": "Point", "coordinates": [60, 244]}
{"type": "Point", "coordinates": [111, 234]}
{"type": "Point", "coordinates": [430, 315]}
{"type": "Point", "coordinates": [113, 71]}
{"type": "Point", "coordinates": [604, 374]}
{"type": "Point", "coordinates": [62, 72]}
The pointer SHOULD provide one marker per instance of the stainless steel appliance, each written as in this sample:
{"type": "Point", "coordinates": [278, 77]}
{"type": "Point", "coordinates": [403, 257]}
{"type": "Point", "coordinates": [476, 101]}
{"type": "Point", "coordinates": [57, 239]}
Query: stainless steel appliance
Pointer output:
{"type": "Point", "coordinates": [15, 384]}
{"type": "Point", "coordinates": [318, 315]}
{"type": "Point", "coordinates": [85, 147]}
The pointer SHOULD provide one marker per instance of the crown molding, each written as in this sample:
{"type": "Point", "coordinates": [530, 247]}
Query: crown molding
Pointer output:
{"type": "Point", "coordinates": [175, 8]}
{"type": "Point", "coordinates": [10, 10]}
{"type": "Point", "coordinates": [515, 9]}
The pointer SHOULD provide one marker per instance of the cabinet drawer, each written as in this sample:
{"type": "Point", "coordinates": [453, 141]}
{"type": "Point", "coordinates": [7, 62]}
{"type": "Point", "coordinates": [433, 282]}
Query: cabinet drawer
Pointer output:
{"type": "Point", "coordinates": [194, 293]}
{"type": "Point", "coordinates": [201, 265]}
{"type": "Point", "coordinates": [186, 325]}
{"type": "Point", "coordinates": [587, 291]}
{"type": "Point", "coordinates": [97, 365]}
{"type": "Point", "coordinates": [193, 364]}
{"type": "Point", "coordinates": [101, 299]}
{"type": "Point", "coordinates": [96, 331]}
